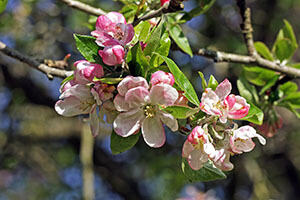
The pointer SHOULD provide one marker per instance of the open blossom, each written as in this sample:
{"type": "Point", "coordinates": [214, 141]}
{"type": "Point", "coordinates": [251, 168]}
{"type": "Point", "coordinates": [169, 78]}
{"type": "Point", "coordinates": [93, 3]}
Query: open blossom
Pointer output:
{"type": "Point", "coordinates": [220, 103]}
{"type": "Point", "coordinates": [112, 55]}
{"type": "Point", "coordinates": [86, 71]}
{"type": "Point", "coordinates": [112, 29]}
{"type": "Point", "coordinates": [162, 77]}
{"type": "Point", "coordinates": [139, 108]}
{"type": "Point", "coordinates": [197, 148]}
{"type": "Point", "coordinates": [241, 140]}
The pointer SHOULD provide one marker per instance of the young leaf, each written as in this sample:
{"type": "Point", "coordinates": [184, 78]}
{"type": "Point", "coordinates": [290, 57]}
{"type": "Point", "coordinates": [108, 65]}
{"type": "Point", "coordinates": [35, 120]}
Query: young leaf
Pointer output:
{"type": "Point", "coordinates": [255, 115]}
{"type": "Point", "coordinates": [288, 88]}
{"type": "Point", "coordinates": [284, 49]}
{"type": "Point", "coordinates": [207, 173]}
{"type": "Point", "coordinates": [88, 48]}
{"type": "Point", "coordinates": [202, 8]}
{"type": "Point", "coordinates": [153, 43]}
{"type": "Point", "coordinates": [119, 144]}
{"type": "Point", "coordinates": [269, 84]}
{"type": "Point", "coordinates": [181, 112]}
{"type": "Point", "coordinates": [142, 30]}
{"type": "Point", "coordinates": [163, 49]}
{"type": "Point", "coordinates": [66, 79]}
{"type": "Point", "coordinates": [129, 11]}
{"type": "Point", "coordinates": [108, 80]}
{"type": "Point", "coordinates": [288, 32]}
{"type": "Point", "coordinates": [247, 90]}
{"type": "Point", "coordinates": [257, 75]}
{"type": "Point", "coordinates": [182, 81]}
{"type": "Point", "coordinates": [212, 83]}
{"type": "Point", "coordinates": [203, 81]}
{"type": "Point", "coordinates": [263, 50]}
{"type": "Point", "coordinates": [179, 38]}
{"type": "Point", "coordinates": [139, 63]}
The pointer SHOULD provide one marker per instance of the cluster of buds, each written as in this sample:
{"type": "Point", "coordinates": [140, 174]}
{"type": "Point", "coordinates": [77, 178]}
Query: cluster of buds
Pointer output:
{"type": "Point", "coordinates": [113, 33]}
{"type": "Point", "coordinates": [219, 138]}
{"type": "Point", "coordinates": [83, 95]}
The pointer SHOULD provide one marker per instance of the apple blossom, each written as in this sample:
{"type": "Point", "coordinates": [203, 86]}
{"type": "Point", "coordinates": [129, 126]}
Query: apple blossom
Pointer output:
{"type": "Point", "coordinates": [241, 140]}
{"type": "Point", "coordinates": [140, 108]}
{"type": "Point", "coordinates": [221, 159]}
{"type": "Point", "coordinates": [112, 55]}
{"type": "Point", "coordinates": [197, 148]}
{"type": "Point", "coordinates": [220, 103]}
{"type": "Point", "coordinates": [162, 77]}
{"type": "Point", "coordinates": [85, 71]}
{"type": "Point", "coordinates": [112, 29]}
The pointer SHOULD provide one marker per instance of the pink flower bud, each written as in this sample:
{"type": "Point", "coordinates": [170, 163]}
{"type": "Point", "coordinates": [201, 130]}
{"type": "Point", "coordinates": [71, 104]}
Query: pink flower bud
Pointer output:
{"type": "Point", "coordinates": [143, 45]}
{"type": "Point", "coordinates": [182, 100]}
{"type": "Point", "coordinates": [162, 2]}
{"type": "Point", "coordinates": [162, 77]}
{"type": "Point", "coordinates": [112, 55]}
{"type": "Point", "coordinates": [67, 85]}
{"type": "Point", "coordinates": [197, 135]}
{"type": "Point", "coordinates": [86, 71]}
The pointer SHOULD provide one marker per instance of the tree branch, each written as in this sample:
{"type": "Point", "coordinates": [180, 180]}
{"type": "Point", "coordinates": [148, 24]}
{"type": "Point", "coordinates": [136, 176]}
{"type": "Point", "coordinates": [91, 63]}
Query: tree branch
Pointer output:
{"type": "Point", "coordinates": [84, 7]}
{"type": "Point", "coordinates": [219, 56]}
{"type": "Point", "coordinates": [49, 71]}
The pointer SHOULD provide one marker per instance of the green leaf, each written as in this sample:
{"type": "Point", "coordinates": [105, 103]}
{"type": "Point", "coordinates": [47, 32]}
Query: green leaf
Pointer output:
{"type": "Point", "coordinates": [212, 83]}
{"type": "Point", "coordinates": [108, 80]}
{"type": "Point", "coordinates": [129, 12]}
{"type": "Point", "coordinates": [202, 8]}
{"type": "Point", "coordinates": [247, 90]}
{"type": "Point", "coordinates": [120, 144]}
{"type": "Point", "coordinates": [139, 63]}
{"type": "Point", "coordinates": [257, 75]}
{"type": "Point", "coordinates": [181, 112]}
{"type": "Point", "coordinates": [203, 81]}
{"type": "Point", "coordinates": [182, 81]}
{"type": "Point", "coordinates": [66, 79]}
{"type": "Point", "coordinates": [207, 173]}
{"type": "Point", "coordinates": [284, 49]}
{"type": "Point", "coordinates": [3, 5]}
{"type": "Point", "coordinates": [255, 115]}
{"type": "Point", "coordinates": [179, 38]}
{"type": "Point", "coordinates": [288, 32]}
{"type": "Point", "coordinates": [269, 84]}
{"type": "Point", "coordinates": [163, 49]}
{"type": "Point", "coordinates": [142, 30]}
{"type": "Point", "coordinates": [153, 43]}
{"type": "Point", "coordinates": [87, 46]}
{"type": "Point", "coordinates": [288, 88]}
{"type": "Point", "coordinates": [263, 50]}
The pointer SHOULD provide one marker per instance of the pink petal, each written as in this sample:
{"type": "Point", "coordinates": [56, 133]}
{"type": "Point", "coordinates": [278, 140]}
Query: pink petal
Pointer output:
{"type": "Point", "coordinates": [116, 17]}
{"type": "Point", "coordinates": [240, 108]}
{"type": "Point", "coordinates": [120, 103]}
{"type": "Point", "coordinates": [128, 123]}
{"type": "Point", "coordinates": [153, 132]}
{"type": "Point", "coordinates": [103, 23]}
{"type": "Point", "coordinates": [230, 101]}
{"type": "Point", "coordinates": [130, 82]}
{"type": "Point", "coordinates": [196, 159]}
{"type": "Point", "coordinates": [169, 120]}
{"type": "Point", "coordinates": [136, 97]}
{"type": "Point", "coordinates": [119, 53]}
{"type": "Point", "coordinates": [223, 89]}
{"type": "Point", "coordinates": [112, 55]}
{"type": "Point", "coordinates": [162, 77]}
{"type": "Point", "coordinates": [163, 94]}
{"type": "Point", "coordinates": [94, 121]}
{"type": "Point", "coordinates": [103, 39]}
{"type": "Point", "coordinates": [82, 92]}
{"type": "Point", "coordinates": [187, 149]}
{"type": "Point", "coordinates": [243, 146]}
{"type": "Point", "coordinates": [128, 34]}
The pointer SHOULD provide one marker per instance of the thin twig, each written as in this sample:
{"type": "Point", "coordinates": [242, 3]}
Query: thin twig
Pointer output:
{"type": "Point", "coordinates": [219, 56]}
{"type": "Point", "coordinates": [49, 71]}
{"type": "Point", "coordinates": [86, 157]}
{"type": "Point", "coordinates": [84, 7]}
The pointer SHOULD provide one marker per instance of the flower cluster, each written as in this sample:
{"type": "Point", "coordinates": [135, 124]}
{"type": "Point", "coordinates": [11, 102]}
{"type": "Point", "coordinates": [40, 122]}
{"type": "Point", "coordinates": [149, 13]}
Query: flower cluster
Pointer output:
{"type": "Point", "coordinates": [217, 141]}
{"type": "Point", "coordinates": [82, 95]}
{"type": "Point", "coordinates": [113, 33]}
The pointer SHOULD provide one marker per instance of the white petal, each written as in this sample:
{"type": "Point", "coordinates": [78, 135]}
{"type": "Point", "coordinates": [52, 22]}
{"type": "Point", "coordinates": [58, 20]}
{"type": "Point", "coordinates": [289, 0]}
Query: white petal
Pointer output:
{"type": "Point", "coordinates": [187, 149]}
{"type": "Point", "coordinates": [120, 103]}
{"type": "Point", "coordinates": [130, 82]}
{"type": "Point", "coordinates": [137, 96]}
{"type": "Point", "coordinates": [169, 120]}
{"type": "Point", "coordinates": [223, 89]}
{"type": "Point", "coordinates": [196, 159]}
{"type": "Point", "coordinates": [163, 94]}
{"type": "Point", "coordinates": [70, 106]}
{"type": "Point", "coordinates": [153, 132]}
{"type": "Point", "coordinates": [128, 123]}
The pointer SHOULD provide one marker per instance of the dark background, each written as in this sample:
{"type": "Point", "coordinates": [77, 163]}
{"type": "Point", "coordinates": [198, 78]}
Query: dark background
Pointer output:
{"type": "Point", "coordinates": [39, 150]}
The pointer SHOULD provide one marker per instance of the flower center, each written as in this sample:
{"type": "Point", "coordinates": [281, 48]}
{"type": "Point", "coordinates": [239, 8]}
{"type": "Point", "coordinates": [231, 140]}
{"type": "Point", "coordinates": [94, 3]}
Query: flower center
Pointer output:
{"type": "Point", "coordinates": [119, 34]}
{"type": "Point", "coordinates": [149, 111]}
